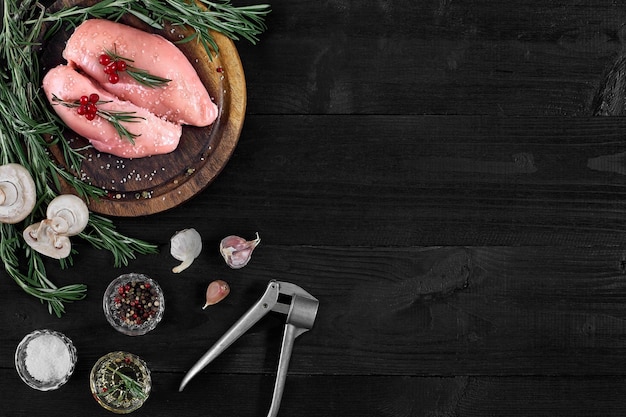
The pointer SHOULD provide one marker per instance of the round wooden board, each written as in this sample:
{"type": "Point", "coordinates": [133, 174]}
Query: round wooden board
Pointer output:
{"type": "Point", "coordinates": [143, 186]}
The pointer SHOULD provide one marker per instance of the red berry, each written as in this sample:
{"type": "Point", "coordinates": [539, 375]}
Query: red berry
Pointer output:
{"type": "Point", "coordinates": [84, 99]}
{"type": "Point", "coordinates": [104, 59]}
{"type": "Point", "coordinates": [110, 68]}
{"type": "Point", "coordinates": [82, 110]}
{"type": "Point", "coordinates": [90, 116]}
{"type": "Point", "coordinates": [91, 108]}
{"type": "Point", "coordinates": [219, 69]}
{"type": "Point", "coordinates": [114, 78]}
{"type": "Point", "coordinates": [121, 65]}
{"type": "Point", "coordinates": [94, 98]}
{"type": "Point", "coordinates": [147, 285]}
{"type": "Point", "coordinates": [120, 290]}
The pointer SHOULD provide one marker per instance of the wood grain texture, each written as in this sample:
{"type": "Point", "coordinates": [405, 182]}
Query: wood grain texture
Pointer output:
{"type": "Point", "coordinates": [439, 311]}
{"type": "Point", "coordinates": [417, 180]}
{"type": "Point", "coordinates": [435, 57]}
{"type": "Point", "coordinates": [438, 175]}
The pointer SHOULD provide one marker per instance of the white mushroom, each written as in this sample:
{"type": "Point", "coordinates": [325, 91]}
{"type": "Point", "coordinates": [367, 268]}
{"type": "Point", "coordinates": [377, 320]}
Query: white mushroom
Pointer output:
{"type": "Point", "coordinates": [42, 238]}
{"type": "Point", "coordinates": [186, 246]}
{"type": "Point", "coordinates": [67, 215]}
{"type": "Point", "coordinates": [17, 193]}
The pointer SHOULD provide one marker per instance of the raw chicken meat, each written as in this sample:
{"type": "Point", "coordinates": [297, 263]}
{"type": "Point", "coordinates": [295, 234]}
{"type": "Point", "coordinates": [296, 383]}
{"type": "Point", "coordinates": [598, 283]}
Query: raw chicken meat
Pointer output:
{"type": "Point", "coordinates": [183, 100]}
{"type": "Point", "coordinates": [157, 135]}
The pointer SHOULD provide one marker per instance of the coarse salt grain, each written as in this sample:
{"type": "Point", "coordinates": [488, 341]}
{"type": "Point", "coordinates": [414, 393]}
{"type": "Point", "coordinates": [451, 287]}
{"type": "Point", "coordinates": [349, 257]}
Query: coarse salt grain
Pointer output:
{"type": "Point", "coordinates": [47, 358]}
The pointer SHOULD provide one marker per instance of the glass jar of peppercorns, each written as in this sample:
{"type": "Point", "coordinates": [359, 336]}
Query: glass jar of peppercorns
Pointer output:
{"type": "Point", "coordinates": [133, 304]}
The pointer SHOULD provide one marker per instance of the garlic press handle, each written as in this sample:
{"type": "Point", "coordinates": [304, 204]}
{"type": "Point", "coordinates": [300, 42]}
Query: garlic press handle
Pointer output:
{"type": "Point", "coordinates": [300, 318]}
{"type": "Point", "coordinates": [263, 306]}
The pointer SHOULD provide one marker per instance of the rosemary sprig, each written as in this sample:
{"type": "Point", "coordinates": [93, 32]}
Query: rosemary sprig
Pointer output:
{"type": "Point", "coordinates": [201, 16]}
{"type": "Point", "coordinates": [102, 235]}
{"type": "Point", "coordinates": [142, 76]}
{"type": "Point", "coordinates": [116, 118]}
{"type": "Point", "coordinates": [26, 126]}
{"type": "Point", "coordinates": [127, 386]}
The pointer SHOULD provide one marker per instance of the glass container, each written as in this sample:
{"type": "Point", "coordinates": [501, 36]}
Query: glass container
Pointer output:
{"type": "Point", "coordinates": [45, 359]}
{"type": "Point", "coordinates": [133, 304]}
{"type": "Point", "coordinates": [120, 382]}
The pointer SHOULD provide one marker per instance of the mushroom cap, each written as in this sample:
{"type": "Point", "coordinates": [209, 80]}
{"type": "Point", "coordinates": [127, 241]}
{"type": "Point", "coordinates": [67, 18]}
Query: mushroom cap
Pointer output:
{"type": "Point", "coordinates": [72, 210]}
{"type": "Point", "coordinates": [46, 246]}
{"type": "Point", "coordinates": [19, 193]}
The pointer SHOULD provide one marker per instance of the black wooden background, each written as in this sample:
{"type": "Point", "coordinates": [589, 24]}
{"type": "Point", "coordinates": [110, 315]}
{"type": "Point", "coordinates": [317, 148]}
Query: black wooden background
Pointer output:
{"type": "Point", "coordinates": [446, 176]}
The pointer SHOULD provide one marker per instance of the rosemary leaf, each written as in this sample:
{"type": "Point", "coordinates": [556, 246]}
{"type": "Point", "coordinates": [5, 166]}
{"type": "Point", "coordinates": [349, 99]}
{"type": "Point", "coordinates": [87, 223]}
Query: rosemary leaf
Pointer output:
{"type": "Point", "coordinates": [101, 233]}
{"type": "Point", "coordinates": [202, 17]}
{"type": "Point", "coordinates": [27, 129]}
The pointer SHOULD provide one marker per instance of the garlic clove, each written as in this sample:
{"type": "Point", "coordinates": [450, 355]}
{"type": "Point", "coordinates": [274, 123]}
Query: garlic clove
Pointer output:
{"type": "Point", "coordinates": [237, 251]}
{"type": "Point", "coordinates": [216, 292]}
{"type": "Point", "coordinates": [185, 246]}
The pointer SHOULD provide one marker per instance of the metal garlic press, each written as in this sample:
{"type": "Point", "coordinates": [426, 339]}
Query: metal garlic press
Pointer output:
{"type": "Point", "coordinates": [300, 311]}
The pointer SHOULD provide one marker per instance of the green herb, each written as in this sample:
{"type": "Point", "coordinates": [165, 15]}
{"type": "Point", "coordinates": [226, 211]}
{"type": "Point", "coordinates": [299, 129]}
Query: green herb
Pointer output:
{"type": "Point", "coordinates": [142, 76]}
{"type": "Point", "coordinates": [201, 16]}
{"type": "Point", "coordinates": [127, 389]}
{"type": "Point", "coordinates": [116, 118]}
{"type": "Point", "coordinates": [26, 123]}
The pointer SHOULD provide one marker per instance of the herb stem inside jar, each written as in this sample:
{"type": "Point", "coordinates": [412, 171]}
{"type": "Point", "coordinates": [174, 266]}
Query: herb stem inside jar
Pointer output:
{"type": "Point", "coordinates": [123, 383]}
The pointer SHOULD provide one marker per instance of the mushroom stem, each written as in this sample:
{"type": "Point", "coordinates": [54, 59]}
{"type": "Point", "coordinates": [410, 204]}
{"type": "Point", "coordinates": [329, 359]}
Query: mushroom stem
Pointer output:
{"type": "Point", "coordinates": [61, 224]}
{"type": "Point", "coordinates": [67, 215]}
{"type": "Point", "coordinates": [17, 193]}
{"type": "Point", "coordinates": [8, 193]}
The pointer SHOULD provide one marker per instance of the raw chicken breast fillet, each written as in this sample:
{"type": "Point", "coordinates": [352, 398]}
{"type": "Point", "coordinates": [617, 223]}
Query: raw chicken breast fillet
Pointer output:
{"type": "Point", "coordinates": [157, 135]}
{"type": "Point", "coordinates": [183, 100]}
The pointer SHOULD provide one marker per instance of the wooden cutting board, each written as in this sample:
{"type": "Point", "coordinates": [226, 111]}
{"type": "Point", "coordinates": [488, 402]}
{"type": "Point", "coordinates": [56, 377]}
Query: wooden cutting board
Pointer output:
{"type": "Point", "coordinates": [143, 186]}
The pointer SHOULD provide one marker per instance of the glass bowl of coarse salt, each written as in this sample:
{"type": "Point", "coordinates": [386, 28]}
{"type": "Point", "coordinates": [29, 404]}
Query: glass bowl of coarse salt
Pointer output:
{"type": "Point", "coordinates": [45, 359]}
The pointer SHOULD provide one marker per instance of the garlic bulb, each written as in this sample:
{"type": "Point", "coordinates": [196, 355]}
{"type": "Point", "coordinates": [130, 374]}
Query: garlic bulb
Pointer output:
{"type": "Point", "coordinates": [237, 251]}
{"type": "Point", "coordinates": [185, 246]}
{"type": "Point", "coordinates": [216, 292]}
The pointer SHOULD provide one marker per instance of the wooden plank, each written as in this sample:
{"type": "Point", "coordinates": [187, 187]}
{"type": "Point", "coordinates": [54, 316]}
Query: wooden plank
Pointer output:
{"type": "Point", "coordinates": [415, 180]}
{"type": "Point", "coordinates": [467, 57]}
{"type": "Point", "coordinates": [383, 311]}
{"type": "Point", "coordinates": [249, 395]}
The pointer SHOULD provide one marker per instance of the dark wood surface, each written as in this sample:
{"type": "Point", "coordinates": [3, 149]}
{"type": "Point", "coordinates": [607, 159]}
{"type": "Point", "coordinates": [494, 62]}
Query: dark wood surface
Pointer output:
{"type": "Point", "coordinates": [447, 177]}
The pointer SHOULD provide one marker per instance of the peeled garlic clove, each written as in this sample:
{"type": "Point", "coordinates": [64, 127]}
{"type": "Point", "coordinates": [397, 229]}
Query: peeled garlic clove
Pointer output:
{"type": "Point", "coordinates": [185, 246]}
{"type": "Point", "coordinates": [237, 251]}
{"type": "Point", "coordinates": [216, 292]}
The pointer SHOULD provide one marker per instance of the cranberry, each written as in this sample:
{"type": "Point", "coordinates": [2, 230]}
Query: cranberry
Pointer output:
{"type": "Point", "coordinates": [110, 68]}
{"type": "Point", "coordinates": [104, 59]}
{"type": "Point", "coordinates": [114, 78]}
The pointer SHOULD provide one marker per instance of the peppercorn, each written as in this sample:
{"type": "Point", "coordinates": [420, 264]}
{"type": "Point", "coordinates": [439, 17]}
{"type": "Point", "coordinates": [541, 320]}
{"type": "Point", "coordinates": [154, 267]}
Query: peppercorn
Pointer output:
{"type": "Point", "coordinates": [136, 302]}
